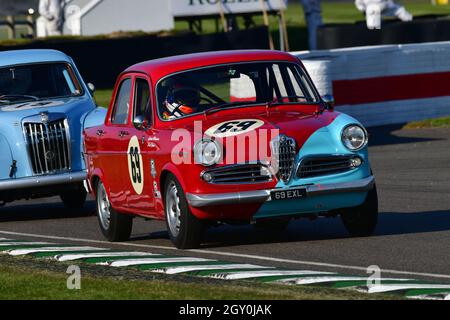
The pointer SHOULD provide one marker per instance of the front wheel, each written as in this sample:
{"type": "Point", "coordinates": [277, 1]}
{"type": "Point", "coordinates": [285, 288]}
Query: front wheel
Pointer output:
{"type": "Point", "coordinates": [185, 230]}
{"type": "Point", "coordinates": [362, 220]}
{"type": "Point", "coordinates": [114, 225]}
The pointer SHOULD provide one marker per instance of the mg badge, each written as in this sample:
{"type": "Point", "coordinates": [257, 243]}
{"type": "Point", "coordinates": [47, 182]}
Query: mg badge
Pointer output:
{"type": "Point", "coordinates": [44, 117]}
{"type": "Point", "coordinates": [50, 155]}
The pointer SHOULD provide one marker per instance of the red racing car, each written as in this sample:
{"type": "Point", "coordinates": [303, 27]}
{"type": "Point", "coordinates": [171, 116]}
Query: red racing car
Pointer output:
{"type": "Point", "coordinates": [226, 137]}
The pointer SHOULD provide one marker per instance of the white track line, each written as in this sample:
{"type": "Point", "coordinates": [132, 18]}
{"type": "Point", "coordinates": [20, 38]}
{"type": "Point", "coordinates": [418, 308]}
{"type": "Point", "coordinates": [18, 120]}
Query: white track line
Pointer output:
{"type": "Point", "coordinates": [17, 243]}
{"type": "Point", "coordinates": [406, 286]}
{"type": "Point", "coordinates": [434, 296]}
{"type": "Point", "coordinates": [21, 252]}
{"type": "Point", "coordinates": [265, 273]}
{"type": "Point", "coordinates": [181, 269]}
{"type": "Point", "coordinates": [312, 280]}
{"type": "Point", "coordinates": [4, 239]}
{"type": "Point", "coordinates": [231, 254]}
{"type": "Point", "coordinates": [135, 262]}
{"type": "Point", "coordinates": [77, 256]}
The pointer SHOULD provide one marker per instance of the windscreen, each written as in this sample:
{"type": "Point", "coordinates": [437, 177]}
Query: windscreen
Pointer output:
{"type": "Point", "coordinates": [38, 81]}
{"type": "Point", "coordinates": [243, 84]}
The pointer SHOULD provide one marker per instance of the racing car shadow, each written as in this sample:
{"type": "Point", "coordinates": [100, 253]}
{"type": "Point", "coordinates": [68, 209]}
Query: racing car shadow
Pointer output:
{"type": "Point", "coordinates": [47, 210]}
{"type": "Point", "coordinates": [417, 222]}
{"type": "Point", "coordinates": [386, 135]}
{"type": "Point", "coordinates": [390, 223]}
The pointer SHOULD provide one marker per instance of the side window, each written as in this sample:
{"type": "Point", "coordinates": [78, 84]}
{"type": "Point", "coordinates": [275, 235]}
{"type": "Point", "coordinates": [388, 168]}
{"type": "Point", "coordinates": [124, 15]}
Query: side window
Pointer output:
{"type": "Point", "coordinates": [307, 89]}
{"type": "Point", "coordinates": [142, 105]}
{"type": "Point", "coordinates": [297, 90]}
{"type": "Point", "coordinates": [122, 104]}
{"type": "Point", "coordinates": [280, 81]}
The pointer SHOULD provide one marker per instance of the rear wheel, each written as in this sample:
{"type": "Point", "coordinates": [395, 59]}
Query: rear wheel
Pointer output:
{"type": "Point", "coordinates": [114, 225]}
{"type": "Point", "coordinates": [185, 230]}
{"type": "Point", "coordinates": [362, 220]}
{"type": "Point", "coordinates": [74, 198]}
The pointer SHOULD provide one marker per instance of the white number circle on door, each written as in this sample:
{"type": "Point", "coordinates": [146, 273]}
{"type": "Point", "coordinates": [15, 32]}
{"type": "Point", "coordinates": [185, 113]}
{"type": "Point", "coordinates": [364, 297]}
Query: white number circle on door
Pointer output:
{"type": "Point", "coordinates": [135, 166]}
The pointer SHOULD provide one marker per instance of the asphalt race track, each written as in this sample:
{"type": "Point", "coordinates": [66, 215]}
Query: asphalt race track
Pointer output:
{"type": "Point", "coordinates": [412, 168]}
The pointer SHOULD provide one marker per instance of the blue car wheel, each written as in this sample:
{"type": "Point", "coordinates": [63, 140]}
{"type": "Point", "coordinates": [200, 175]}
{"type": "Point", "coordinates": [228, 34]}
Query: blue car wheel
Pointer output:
{"type": "Point", "coordinates": [74, 198]}
{"type": "Point", "coordinates": [362, 220]}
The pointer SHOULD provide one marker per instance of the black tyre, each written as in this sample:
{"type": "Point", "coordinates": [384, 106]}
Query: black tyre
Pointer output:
{"type": "Point", "coordinates": [114, 225]}
{"type": "Point", "coordinates": [362, 220]}
{"type": "Point", "coordinates": [185, 230]}
{"type": "Point", "coordinates": [74, 198]}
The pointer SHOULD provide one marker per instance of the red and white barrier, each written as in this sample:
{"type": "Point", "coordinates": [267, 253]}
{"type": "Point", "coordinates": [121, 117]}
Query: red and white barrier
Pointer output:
{"type": "Point", "coordinates": [384, 84]}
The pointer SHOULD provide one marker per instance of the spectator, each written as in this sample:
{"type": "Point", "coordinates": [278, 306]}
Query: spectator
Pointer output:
{"type": "Point", "coordinates": [375, 9]}
{"type": "Point", "coordinates": [50, 22]}
{"type": "Point", "coordinates": [313, 18]}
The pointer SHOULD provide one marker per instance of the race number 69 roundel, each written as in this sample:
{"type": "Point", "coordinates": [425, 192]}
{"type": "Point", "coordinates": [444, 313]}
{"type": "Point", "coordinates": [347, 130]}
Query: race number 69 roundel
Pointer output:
{"type": "Point", "coordinates": [135, 166]}
{"type": "Point", "coordinates": [233, 127]}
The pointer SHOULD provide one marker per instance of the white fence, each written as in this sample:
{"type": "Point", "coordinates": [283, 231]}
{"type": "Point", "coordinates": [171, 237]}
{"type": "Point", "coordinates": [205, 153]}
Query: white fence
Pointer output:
{"type": "Point", "coordinates": [385, 84]}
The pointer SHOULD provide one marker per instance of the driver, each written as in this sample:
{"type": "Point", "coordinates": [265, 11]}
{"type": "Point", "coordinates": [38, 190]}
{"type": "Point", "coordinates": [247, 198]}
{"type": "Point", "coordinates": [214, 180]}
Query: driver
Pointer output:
{"type": "Point", "coordinates": [182, 99]}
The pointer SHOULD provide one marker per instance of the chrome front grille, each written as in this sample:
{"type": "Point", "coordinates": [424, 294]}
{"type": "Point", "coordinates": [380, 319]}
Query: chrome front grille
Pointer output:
{"type": "Point", "coordinates": [239, 174]}
{"type": "Point", "coordinates": [48, 146]}
{"type": "Point", "coordinates": [283, 156]}
{"type": "Point", "coordinates": [326, 165]}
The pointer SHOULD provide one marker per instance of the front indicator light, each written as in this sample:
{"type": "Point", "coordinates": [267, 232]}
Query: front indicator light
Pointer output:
{"type": "Point", "coordinates": [207, 177]}
{"type": "Point", "coordinates": [355, 162]}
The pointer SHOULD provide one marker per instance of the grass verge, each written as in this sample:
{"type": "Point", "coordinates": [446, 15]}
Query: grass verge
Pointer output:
{"type": "Point", "coordinates": [28, 278]}
{"type": "Point", "coordinates": [103, 97]}
{"type": "Point", "coordinates": [443, 122]}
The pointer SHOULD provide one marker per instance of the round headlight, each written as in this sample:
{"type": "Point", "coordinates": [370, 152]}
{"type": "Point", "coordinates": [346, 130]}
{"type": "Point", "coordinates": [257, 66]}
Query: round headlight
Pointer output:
{"type": "Point", "coordinates": [207, 152]}
{"type": "Point", "coordinates": [354, 137]}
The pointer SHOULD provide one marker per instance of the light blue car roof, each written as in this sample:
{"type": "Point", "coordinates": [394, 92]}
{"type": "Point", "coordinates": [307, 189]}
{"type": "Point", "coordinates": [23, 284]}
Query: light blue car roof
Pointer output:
{"type": "Point", "coordinates": [16, 57]}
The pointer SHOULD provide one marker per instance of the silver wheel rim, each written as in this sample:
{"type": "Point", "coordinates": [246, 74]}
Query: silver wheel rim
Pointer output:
{"type": "Point", "coordinates": [103, 205]}
{"type": "Point", "coordinates": [173, 211]}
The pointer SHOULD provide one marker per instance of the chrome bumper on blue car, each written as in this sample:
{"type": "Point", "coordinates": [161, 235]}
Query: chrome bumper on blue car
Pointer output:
{"type": "Point", "coordinates": [44, 180]}
{"type": "Point", "coordinates": [259, 196]}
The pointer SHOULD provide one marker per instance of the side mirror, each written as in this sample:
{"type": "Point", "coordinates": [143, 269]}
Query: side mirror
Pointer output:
{"type": "Point", "coordinates": [91, 88]}
{"type": "Point", "coordinates": [140, 123]}
{"type": "Point", "coordinates": [328, 99]}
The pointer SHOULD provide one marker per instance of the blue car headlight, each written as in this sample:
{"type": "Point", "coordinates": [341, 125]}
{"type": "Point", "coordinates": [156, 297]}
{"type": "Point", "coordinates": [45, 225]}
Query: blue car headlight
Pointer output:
{"type": "Point", "coordinates": [354, 137]}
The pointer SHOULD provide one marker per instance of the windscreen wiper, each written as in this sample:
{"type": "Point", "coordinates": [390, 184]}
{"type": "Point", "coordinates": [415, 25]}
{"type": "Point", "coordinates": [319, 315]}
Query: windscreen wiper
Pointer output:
{"type": "Point", "coordinates": [279, 101]}
{"type": "Point", "coordinates": [229, 105]}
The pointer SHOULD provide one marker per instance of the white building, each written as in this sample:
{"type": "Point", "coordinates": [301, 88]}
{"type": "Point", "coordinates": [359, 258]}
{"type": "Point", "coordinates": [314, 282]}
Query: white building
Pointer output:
{"type": "Point", "coordinates": [93, 17]}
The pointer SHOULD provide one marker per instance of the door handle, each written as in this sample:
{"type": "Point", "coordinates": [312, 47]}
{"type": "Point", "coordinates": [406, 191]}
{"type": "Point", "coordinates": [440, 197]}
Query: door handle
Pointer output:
{"type": "Point", "coordinates": [100, 132]}
{"type": "Point", "coordinates": [123, 133]}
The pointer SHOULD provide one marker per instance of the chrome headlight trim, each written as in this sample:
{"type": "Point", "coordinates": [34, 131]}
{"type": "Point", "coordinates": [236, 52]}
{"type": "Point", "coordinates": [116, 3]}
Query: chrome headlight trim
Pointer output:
{"type": "Point", "coordinates": [213, 152]}
{"type": "Point", "coordinates": [347, 143]}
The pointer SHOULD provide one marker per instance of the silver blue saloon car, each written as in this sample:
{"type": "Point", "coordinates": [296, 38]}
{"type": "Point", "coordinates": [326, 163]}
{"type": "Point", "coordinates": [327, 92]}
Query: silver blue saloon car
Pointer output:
{"type": "Point", "coordinates": [43, 105]}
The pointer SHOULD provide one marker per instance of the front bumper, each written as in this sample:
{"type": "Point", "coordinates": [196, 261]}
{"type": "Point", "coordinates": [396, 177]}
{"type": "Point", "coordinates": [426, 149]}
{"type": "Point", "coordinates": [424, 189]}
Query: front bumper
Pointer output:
{"type": "Point", "coordinates": [43, 181]}
{"type": "Point", "coordinates": [261, 196]}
